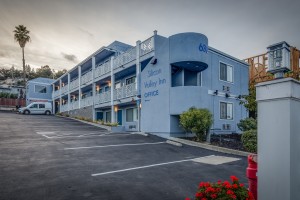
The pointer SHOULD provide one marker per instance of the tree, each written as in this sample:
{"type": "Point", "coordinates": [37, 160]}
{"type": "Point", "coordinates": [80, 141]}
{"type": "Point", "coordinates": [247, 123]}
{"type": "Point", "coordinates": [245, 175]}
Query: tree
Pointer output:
{"type": "Point", "coordinates": [44, 71]}
{"type": "Point", "coordinates": [22, 37]}
{"type": "Point", "coordinates": [60, 73]}
{"type": "Point", "coordinates": [197, 121]}
{"type": "Point", "coordinates": [250, 102]}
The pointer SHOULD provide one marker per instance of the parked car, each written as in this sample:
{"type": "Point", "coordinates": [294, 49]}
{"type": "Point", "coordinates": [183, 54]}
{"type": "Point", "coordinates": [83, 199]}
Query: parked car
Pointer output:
{"type": "Point", "coordinates": [37, 108]}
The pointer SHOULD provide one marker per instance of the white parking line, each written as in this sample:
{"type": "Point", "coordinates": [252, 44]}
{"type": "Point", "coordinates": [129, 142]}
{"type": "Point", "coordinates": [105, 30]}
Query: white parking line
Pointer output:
{"type": "Point", "coordinates": [115, 145]}
{"type": "Point", "coordinates": [146, 166]}
{"type": "Point", "coordinates": [84, 135]}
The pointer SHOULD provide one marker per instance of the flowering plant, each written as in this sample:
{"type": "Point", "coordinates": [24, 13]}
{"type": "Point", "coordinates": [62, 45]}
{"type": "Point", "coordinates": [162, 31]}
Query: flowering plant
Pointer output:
{"type": "Point", "coordinates": [223, 191]}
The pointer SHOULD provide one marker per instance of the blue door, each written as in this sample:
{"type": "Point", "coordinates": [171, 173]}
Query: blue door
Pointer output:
{"type": "Point", "coordinates": [99, 116]}
{"type": "Point", "coordinates": [120, 117]}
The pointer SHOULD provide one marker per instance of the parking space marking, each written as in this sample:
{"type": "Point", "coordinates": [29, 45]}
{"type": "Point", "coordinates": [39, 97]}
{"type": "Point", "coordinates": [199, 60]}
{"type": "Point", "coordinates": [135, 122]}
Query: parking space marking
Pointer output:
{"type": "Point", "coordinates": [115, 145]}
{"type": "Point", "coordinates": [216, 160]}
{"type": "Point", "coordinates": [146, 166]}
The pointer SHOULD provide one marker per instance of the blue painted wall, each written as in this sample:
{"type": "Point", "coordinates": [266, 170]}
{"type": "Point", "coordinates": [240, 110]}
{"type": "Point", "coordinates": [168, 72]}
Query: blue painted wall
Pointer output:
{"type": "Point", "coordinates": [162, 104]}
{"type": "Point", "coordinates": [32, 95]}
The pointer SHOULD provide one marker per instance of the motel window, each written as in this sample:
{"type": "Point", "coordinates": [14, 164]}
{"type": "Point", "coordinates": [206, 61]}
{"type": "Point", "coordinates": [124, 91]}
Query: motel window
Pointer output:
{"type": "Point", "coordinates": [226, 110]}
{"type": "Point", "coordinates": [226, 72]}
{"type": "Point", "coordinates": [131, 114]}
{"type": "Point", "coordinates": [117, 85]}
{"type": "Point", "coordinates": [40, 89]}
{"type": "Point", "coordinates": [130, 80]}
{"type": "Point", "coordinates": [108, 116]}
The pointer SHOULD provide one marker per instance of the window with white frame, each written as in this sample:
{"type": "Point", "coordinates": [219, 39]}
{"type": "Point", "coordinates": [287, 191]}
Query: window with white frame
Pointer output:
{"type": "Point", "coordinates": [226, 110]}
{"type": "Point", "coordinates": [40, 89]}
{"type": "Point", "coordinates": [131, 114]}
{"type": "Point", "coordinates": [226, 72]}
{"type": "Point", "coordinates": [130, 80]}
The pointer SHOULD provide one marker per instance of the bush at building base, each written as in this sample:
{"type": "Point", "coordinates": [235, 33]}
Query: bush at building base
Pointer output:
{"type": "Point", "coordinates": [249, 140]}
{"type": "Point", "coordinates": [197, 121]}
{"type": "Point", "coordinates": [223, 191]}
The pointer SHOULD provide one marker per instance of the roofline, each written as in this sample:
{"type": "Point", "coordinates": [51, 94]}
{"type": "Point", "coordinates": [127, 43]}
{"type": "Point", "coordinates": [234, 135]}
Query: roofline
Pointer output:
{"type": "Point", "coordinates": [227, 55]}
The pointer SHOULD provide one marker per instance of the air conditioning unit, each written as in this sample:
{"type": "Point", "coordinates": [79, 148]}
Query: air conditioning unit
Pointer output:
{"type": "Point", "coordinates": [226, 88]}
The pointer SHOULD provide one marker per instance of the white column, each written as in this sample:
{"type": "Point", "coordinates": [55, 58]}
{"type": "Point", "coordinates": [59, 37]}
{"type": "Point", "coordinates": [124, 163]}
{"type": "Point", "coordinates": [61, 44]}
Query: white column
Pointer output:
{"type": "Point", "coordinates": [69, 96]}
{"type": "Point", "coordinates": [60, 95]}
{"type": "Point", "coordinates": [93, 85]}
{"type": "Point", "coordinates": [112, 81]}
{"type": "Point", "coordinates": [138, 80]}
{"type": "Point", "coordinates": [79, 88]}
{"type": "Point", "coordinates": [53, 99]}
{"type": "Point", "coordinates": [278, 139]}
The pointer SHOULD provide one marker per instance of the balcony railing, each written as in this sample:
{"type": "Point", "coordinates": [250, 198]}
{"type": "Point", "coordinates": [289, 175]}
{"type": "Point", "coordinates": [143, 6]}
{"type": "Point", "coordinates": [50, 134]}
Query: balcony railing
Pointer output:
{"type": "Point", "coordinates": [88, 101]}
{"type": "Point", "coordinates": [87, 78]}
{"type": "Point", "coordinates": [64, 89]}
{"type": "Point", "coordinates": [125, 58]}
{"type": "Point", "coordinates": [64, 108]}
{"type": "Point", "coordinates": [102, 98]}
{"type": "Point", "coordinates": [56, 93]}
{"type": "Point", "coordinates": [102, 69]}
{"type": "Point", "coordinates": [147, 46]}
{"type": "Point", "coordinates": [74, 105]}
{"type": "Point", "coordinates": [125, 92]}
{"type": "Point", "coordinates": [74, 84]}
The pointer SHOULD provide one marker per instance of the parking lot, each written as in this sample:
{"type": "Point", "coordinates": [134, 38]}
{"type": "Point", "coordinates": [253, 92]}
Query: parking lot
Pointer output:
{"type": "Point", "coordinates": [48, 157]}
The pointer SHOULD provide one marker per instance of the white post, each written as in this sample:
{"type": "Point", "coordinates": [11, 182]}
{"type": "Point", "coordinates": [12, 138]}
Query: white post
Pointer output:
{"type": "Point", "coordinates": [278, 139]}
{"type": "Point", "coordinates": [112, 77]}
{"type": "Point", "coordinates": [69, 96]}
{"type": "Point", "coordinates": [53, 99]}
{"type": "Point", "coordinates": [94, 86]}
{"type": "Point", "coordinates": [138, 71]}
{"type": "Point", "coordinates": [79, 87]}
{"type": "Point", "coordinates": [60, 95]}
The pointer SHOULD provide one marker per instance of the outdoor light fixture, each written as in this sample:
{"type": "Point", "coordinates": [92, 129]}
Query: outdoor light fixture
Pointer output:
{"type": "Point", "coordinates": [109, 83]}
{"type": "Point", "coordinates": [116, 108]}
{"type": "Point", "coordinates": [279, 59]}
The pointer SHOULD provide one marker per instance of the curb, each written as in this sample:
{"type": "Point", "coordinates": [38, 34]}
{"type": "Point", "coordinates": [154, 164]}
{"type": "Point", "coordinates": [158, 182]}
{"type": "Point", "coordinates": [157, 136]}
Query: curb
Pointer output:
{"type": "Point", "coordinates": [141, 133]}
{"type": "Point", "coordinates": [210, 147]}
{"type": "Point", "coordinates": [174, 143]}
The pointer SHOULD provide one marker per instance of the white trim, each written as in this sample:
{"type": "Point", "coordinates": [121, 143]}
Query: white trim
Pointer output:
{"type": "Point", "coordinates": [227, 102]}
{"type": "Point", "coordinates": [226, 71]}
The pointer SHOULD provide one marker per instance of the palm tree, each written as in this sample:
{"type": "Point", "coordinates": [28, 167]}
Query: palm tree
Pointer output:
{"type": "Point", "coordinates": [22, 36]}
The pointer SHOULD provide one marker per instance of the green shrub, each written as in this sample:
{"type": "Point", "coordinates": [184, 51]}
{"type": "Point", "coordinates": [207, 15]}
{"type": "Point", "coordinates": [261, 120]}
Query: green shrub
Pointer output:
{"type": "Point", "coordinates": [247, 124]}
{"type": "Point", "coordinates": [197, 121]}
{"type": "Point", "coordinates": [249, 140]}
{"type": "Point", "coordinates": [67, 115]}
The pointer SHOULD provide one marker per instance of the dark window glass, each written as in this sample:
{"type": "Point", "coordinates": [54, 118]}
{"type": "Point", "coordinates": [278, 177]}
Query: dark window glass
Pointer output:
{"type": "Point", "coordinates": [41, 105]}
{"type": "Point", "coordinates": [40, 89]}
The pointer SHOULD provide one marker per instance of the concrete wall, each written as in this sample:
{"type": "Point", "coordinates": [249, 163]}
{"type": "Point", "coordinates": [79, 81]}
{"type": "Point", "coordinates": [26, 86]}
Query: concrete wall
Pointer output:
{"type": "Point", "coordinates": [86, 112]}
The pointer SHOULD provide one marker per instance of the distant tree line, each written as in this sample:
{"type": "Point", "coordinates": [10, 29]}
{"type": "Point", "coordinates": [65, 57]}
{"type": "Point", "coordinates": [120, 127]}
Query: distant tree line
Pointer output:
{"type": "Point", "coordinates": [31, 73]}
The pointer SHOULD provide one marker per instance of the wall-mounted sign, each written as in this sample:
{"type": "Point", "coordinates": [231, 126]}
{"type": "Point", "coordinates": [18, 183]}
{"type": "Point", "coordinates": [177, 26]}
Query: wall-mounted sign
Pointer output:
{"type": "Point", "coordinates": [203, 47]}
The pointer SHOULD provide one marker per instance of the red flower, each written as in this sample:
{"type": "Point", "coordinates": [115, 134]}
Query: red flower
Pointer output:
{"type": "Point", "coordinates": [233, 196]}
{"type": "Point", "coordinates": [234, 178]}
{"type": "Point", "coordinates": [230, 192]}
{"type": "Point", "coordinates": [213, 196]}
{"type": "Point", "coordinates": [204, 199]}
{"type": "Point", "coordinates": [235, 186]}
{"type": "Point", "coordinates": [187, 198]}
{"type": "Point", "coordinates": [199, 194]}
{"type": "Point", "coordinates": [241, 185]}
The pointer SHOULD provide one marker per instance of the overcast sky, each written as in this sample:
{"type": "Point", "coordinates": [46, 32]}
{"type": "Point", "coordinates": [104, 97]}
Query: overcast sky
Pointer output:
{"type": "Point", "coordinates": [64, 32]}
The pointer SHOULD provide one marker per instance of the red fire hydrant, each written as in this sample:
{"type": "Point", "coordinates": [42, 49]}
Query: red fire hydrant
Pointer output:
{"type": "Point", "coordinates": [251, 174]}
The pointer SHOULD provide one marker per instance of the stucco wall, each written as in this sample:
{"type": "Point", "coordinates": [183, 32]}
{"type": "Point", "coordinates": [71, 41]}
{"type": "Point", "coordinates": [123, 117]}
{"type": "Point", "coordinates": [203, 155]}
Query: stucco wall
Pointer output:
{"type": "Point", "coordinates": [86, 112]}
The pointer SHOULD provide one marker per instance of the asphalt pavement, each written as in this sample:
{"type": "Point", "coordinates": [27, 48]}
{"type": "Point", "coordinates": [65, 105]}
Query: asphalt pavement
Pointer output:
{"type": "Point", "coordinates": [48, 157]}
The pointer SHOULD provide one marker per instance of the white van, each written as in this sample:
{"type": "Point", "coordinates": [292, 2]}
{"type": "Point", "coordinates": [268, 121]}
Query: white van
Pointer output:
{"type": "Point", "coordinates": [37, 108]}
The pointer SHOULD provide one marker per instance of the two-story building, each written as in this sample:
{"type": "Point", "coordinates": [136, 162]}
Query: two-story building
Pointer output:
{"type": "Point", "coordinates": [39, 89]}
{"type": "Point", "coordinates": [146, 87]}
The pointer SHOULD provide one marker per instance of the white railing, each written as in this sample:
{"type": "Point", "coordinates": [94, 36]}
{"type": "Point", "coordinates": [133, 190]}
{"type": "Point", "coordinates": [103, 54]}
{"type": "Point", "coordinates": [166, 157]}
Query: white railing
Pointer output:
{"type": "Point", "coordinates": [74, 84]}
{"type": "Point", "coordinates": [102, 69]}
{"type": "Point", "coordinates": [125, 58]}
{"type": "Point", "coordinates": [64, 108]}
{"type": "Point", "coordinates": [147, 46]}
{"type": "Point", "coordinates": [87, 78]}
{"type": "Point", "coordinates": [88, 101]}
{"type": "Point", "coordinates": [56, 93]}
{"type": "Point", "coordinates": [125, 91]}
{"type": "Point", "coordinates": [102, 98]}
{"type": "Point", "coordinates": [64, 89]}
{"type": "Point", "coordinates": [74, 105]}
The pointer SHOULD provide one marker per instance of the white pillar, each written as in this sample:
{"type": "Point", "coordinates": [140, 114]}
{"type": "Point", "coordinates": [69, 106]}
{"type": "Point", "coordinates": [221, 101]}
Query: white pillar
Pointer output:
{"type": "Point", "coordinates": [53, 99]}
{"type": "Point", "coordinates": [60, 95]}
{"type": "Point", "coordinates": [79, 87]}
{"type": "Point", "coordinates": [93, 85]}
{"type": "Point", "coordinates": [278, 139]}
{"type": "Point", "coordinates": [112, 88]}
{"type": "Point", "coordinates": [138, 80]}
{"type": "Point", "coordinates": [69, 96]}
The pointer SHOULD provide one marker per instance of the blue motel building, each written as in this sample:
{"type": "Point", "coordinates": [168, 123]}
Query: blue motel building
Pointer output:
{"type": "Point", "coordinates": [147, 86]}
